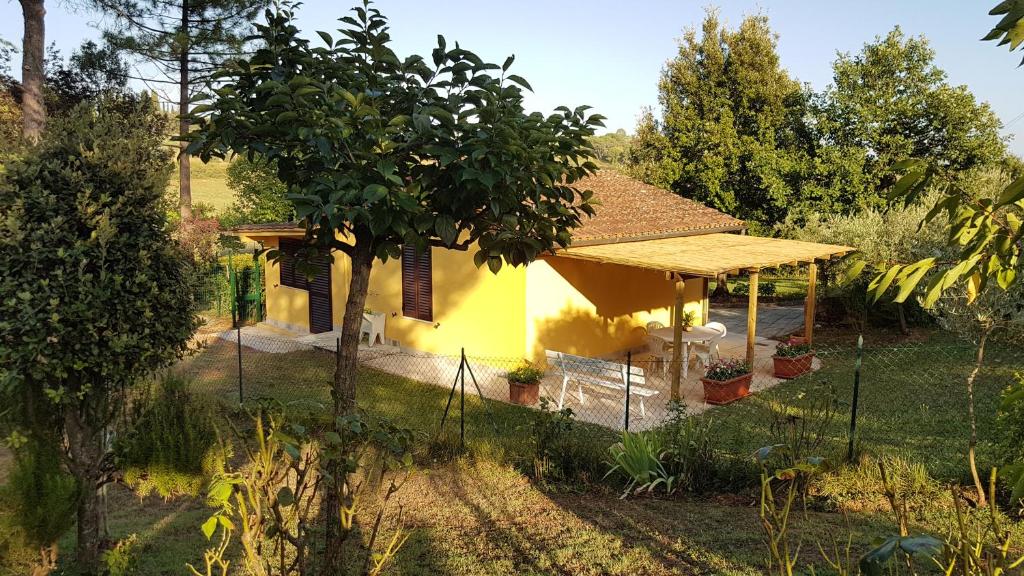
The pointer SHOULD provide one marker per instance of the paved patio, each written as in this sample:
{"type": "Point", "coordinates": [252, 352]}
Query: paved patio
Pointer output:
{"type": "Point", "coordinates": [600, 405]}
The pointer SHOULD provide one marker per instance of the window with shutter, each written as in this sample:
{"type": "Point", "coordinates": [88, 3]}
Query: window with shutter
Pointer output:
{"type": "Point", "coordinates": [417, 289]}
{"type": "Point", "coordinates": [289, 277]}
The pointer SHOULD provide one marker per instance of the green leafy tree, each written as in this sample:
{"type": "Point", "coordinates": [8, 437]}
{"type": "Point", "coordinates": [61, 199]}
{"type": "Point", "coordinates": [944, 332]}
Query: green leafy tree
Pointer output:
{"type": "Point", "coordinates": [182, 42]}
{"type": "Point", "coordinates": [890, 102]}
{"type": "Point", "coordinates": [381, 152]}
{"type": "Point", "coordinates": [612, 148]}
{"type": "Point", "coordinates": [1010, 28]}
{"type": "Point", "coordinates": [95, 295]}
{"type": "Point", "coordinates": [731, 135]}
{"type": "Point", "coordinates": [91, 71]}
{"type": "Point", "coordinates": [259, 195]}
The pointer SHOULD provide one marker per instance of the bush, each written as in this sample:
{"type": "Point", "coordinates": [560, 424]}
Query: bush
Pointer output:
{"type": "Point", "coordinates": [172, 447]}
{"type": "Point", "coordinates": [689, 455]}
{"type": "Point", "coordinates": [40, 499]}
{"type": "Point", "coordinates": [562, 449]}
{"type": "Point", "coordinates": [123, 558]}
{"type": "Point", "coordinates": [1010, 423]}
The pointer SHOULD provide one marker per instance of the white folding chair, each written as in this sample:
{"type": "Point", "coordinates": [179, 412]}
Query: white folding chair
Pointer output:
{"type": "Point", "coordinates": [707, 352]}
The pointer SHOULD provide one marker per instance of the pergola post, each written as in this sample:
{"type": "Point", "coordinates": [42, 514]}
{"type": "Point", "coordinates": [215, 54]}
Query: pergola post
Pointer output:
{"type": "Point", "coordinates": [677, 334]}
{"type": "Point", "coordinates": [752, 315]}
{"type": "Point", "coordinates": [809, 304]}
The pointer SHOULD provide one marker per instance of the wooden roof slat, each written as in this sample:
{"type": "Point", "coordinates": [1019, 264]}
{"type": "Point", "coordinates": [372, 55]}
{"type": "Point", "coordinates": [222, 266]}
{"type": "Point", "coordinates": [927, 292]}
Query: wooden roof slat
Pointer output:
{"type": "Point", "coordinates": [707, 255]}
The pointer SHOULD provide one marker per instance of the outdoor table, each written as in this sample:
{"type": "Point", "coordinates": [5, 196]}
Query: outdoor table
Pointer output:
{"type": "Point", "coordinates": [696, 334]}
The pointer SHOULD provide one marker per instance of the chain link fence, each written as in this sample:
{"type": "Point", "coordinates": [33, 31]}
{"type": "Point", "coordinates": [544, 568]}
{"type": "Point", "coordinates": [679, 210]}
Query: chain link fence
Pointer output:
{"type": "Point", "coordinates": [912, 397]}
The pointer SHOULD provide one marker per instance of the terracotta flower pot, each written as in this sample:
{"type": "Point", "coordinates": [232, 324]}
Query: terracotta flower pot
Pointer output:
{"type": "Point", "coordinates": [792, 366]}
{"type": "Point", "coordinates": [523, 394]}
{"type": "Point", "coordinates": [725, 391]}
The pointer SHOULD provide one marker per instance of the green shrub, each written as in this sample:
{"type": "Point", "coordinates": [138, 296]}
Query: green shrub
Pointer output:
{"type": "Point", "coordinates": [765, 288]}
{"type": "Point", "coordinates": [690, 456]}
{"type": "Point", "coordinates": [123, 558]}
{"type": "Point", "coordinates": [39, 498]}
{"type": "Point", "coordinates": [562, 449]}
{"type": "Point", "coordinates": [638, 458]}
{"type": "Point", "coordinates": [172, 446]}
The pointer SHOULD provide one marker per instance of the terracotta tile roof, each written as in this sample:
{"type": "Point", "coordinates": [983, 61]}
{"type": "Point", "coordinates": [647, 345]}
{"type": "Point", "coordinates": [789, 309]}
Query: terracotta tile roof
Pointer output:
{"type": "Point", "coordinates": [631, 210]}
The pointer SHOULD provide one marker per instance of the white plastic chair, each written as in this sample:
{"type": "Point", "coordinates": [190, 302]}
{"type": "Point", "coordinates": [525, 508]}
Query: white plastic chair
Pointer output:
{"type": "Point", "coordinates": [705, 353]}
{"type": "Point", "coordinates": [658, 347]}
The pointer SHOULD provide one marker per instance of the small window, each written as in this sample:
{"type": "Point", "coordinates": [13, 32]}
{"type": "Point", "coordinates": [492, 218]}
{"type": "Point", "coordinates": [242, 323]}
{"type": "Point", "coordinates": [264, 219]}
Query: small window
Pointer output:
{"type": "Point", "coordinates": [289, 277]}
{"type": "Point", "coordinates": [417, 289]}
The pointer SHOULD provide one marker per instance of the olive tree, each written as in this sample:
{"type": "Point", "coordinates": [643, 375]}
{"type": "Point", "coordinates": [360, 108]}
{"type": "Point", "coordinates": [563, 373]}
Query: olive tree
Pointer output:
{"type": "Point", "coordinates": [379, 152]}
{"type": "Point", "coordinates": [95, 295]}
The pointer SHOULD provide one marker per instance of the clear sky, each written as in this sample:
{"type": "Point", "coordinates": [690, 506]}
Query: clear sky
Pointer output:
{"type": "Point", "coordinates": [608, 54]}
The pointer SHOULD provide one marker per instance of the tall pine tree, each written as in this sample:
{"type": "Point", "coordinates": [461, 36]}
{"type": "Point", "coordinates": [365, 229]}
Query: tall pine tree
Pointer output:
{"type": "Point", "coordinates": [183, 41]}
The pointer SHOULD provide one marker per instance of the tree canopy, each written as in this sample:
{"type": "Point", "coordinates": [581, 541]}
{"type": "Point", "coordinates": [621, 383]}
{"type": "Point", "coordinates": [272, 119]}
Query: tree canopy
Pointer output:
{"type": "Point", "coordinates": [730, 131]}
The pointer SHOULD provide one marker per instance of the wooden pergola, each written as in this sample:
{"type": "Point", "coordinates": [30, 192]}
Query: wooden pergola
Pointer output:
{"type": "Point", "coordinates": [707, 256]}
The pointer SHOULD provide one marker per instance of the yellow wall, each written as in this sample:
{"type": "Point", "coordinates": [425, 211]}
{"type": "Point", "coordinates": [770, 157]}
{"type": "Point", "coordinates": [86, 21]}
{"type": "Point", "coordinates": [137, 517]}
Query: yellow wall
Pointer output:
{"type": "Point", "coordinates": [473, 308]}
{"type": "Point", "coordinates": [595, 309]}
{"type": "Point", "coordinates": [555, 303]}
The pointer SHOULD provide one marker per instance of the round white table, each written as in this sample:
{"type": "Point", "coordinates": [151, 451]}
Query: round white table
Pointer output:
{"type": "Point", "coordinates": [696, 334]}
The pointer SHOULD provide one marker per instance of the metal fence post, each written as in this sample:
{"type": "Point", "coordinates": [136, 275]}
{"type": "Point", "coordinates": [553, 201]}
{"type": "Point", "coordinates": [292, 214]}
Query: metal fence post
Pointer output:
{"type": "Point", "coordinates": [856, 395]}
{"type": "Point", "coordinates": [629, 373]}
{"type": "Point", "coordinates": [238, 338]}
{"type": "Point", "coordinates": [462, 399]}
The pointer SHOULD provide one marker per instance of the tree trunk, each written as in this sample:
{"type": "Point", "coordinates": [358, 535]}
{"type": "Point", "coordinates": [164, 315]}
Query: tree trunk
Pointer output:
{"type": "Point", "coordinates": [184, 164]}
{"type": "Point", "coordinates": [32, 105]}
{"type": "Point", "coordinates": [721, 287]}
{"type": "Point", "coordinates": [344, 392]}
{"type": "Point", "coordinates": [85, 452]}
{"type": "Point", "coordinates": [979, 359]}
{"type": "Point", "coordinates": [901, 315]}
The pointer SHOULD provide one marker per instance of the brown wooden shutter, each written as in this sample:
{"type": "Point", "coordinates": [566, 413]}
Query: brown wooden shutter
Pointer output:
{"type": "Point", "coordinates": [417, 289]}
{"type": "Point", "coordinates": [289, 247]}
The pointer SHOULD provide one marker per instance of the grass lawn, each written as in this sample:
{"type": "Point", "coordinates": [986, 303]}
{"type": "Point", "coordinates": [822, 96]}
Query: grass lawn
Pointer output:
{"type": "Point", "coordinates": [209, 184]}
{"type": "Point", "coordinates": [479, 514]}
{"type": "Point", "coordinates": [913, 403]}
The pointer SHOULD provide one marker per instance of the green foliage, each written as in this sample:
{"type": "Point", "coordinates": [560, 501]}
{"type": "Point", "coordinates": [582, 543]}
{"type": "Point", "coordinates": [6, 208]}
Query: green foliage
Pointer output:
{"type": "Point", "coordinates": [91, 71]}
{"type": "Point", "coordinates": [526, 373]}
{"type": "Point", "coordinates": [1010, 424]}
{"type": "Point", "coordinates": [95, 293]}
{"type": "Point", "coordinates": [271, 498]}
{"type": "Point", "coordinates": [690, 457]}
{"type": "Point", "coordinates": [637, 457]}
{"type": "Point", "coordinates": [561, 450]}
{"type": "Point", "coordinates": [259, 195]}
{"type": "Point", "coordinates": [612, 148]}
{"type": "Point", "coordinates": [766, 288]}
{"type": "Point", "coordinates": [39, 496]}
{"type": "Point", "coordinates": [1010, 29]}
{"type": "Point", "coordinates": [391, 151]}
{"type": "Point", "coordinates": [731, 132]}
{"type": "Point", "coordinates": [889, 102]}
{"type": "Point", "coordinates": [123, 558]}
{"type": "Point", "coordinates": [172, 447]}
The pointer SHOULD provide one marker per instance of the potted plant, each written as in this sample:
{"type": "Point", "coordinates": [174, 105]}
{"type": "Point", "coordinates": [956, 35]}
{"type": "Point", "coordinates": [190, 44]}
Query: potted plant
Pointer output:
{"type": "Point", "coordinates": [726, 380]}
{"type": "Point", "coordinates": [689, 319]}
{"type": "Point", "coordinates": [524, 384]}
{"type": "Point", "coordinates": [793, 358]}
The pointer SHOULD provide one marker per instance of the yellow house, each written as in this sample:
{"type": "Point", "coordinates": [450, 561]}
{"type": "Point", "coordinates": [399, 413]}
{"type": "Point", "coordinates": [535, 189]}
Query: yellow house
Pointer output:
{"type": "Point", "coordinates": [570, 301]}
